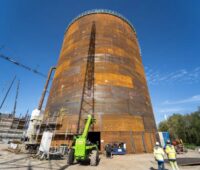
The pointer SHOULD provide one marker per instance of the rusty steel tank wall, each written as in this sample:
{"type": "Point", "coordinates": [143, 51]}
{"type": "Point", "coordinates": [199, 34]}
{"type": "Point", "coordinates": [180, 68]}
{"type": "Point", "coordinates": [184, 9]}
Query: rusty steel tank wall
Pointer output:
{"type": "Point", "coordinates": [122, 104]}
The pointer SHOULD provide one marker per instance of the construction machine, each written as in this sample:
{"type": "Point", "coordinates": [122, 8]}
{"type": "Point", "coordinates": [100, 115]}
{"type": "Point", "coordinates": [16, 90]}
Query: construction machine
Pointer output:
{"type": "Point", "coordinates": [83, 150]}
{"type": "Point", "coordinates": [179, 146]}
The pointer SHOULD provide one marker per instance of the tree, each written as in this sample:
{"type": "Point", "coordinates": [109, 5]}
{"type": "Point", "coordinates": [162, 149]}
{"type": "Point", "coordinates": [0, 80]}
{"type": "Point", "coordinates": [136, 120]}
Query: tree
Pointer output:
{"type": "Point", "coordinates": [163, 126]}
{"type": "Point", "coordinates": [185, 127]}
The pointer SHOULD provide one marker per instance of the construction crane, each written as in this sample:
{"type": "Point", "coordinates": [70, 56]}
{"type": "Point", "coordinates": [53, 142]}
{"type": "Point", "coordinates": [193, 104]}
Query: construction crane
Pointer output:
{"type": "Point", "coordinates": [7, 92]}
{"type": "Point", "coordinates": [22, 65]}
{"type": "Point", "coordinates": [15, 104]}
{"type": "Point", "coordinates": [33, 71]}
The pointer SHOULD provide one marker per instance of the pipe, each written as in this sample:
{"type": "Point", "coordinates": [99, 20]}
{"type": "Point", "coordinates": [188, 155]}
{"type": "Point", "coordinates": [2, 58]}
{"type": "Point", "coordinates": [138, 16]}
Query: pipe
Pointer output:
{"type": "Point", "coordinates": [43, 96]}
{"type": "Point", "coordinates": [45, 88]}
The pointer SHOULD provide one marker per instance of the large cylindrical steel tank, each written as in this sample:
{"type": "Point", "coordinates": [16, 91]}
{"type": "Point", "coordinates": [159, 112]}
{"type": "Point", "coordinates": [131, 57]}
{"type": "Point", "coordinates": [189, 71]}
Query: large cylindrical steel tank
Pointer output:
{"type": "Point", "coordinates": [122, 105]}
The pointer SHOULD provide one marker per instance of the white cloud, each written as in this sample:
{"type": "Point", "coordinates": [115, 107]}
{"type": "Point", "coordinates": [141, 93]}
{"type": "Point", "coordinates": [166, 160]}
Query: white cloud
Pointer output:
{"type": "Point", "coordinates": [183, 75]}
{"type": "Point", "coordinates": [169, 110]}
{"type": "Point", "coordinates": [164, 113]}
{"type": "Point", "coordinates": [195, 98]}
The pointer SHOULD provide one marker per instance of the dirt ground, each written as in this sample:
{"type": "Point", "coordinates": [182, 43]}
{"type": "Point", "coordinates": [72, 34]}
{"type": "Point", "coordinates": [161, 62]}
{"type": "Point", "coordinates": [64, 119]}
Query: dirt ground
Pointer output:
{"type": "Point", "coordinates": [20, 161]}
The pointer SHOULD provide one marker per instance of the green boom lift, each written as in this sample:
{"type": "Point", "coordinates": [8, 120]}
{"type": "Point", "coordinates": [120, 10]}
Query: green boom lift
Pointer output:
{"type": "Point", "coordinates": [83, 150]}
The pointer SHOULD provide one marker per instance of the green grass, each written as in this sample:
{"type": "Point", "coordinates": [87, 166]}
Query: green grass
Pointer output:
{"type": "Point", "coordinates": [190, 146]}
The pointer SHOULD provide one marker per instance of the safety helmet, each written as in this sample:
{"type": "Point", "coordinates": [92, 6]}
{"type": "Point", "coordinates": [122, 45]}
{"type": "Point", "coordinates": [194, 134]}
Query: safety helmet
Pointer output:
{"type": "Point", "coordinates": [157, 144]}
{"type": "Point", "coordinates": [168, 141]}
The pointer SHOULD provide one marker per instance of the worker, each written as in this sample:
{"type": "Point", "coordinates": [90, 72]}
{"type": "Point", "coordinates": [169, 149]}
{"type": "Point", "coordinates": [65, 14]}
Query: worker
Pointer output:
{"type": "Point", "coordinates": [171, 154]}
{"type": "Point", "coordinates": [108, 149]}
{"type": "Point", "coordinates": [159, 156]}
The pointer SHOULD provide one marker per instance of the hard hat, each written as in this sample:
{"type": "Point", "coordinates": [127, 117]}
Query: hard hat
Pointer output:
{"type": "Point", "coordinates": [168, 141]}
{"type": "Point", "coordinates": [157, 143]}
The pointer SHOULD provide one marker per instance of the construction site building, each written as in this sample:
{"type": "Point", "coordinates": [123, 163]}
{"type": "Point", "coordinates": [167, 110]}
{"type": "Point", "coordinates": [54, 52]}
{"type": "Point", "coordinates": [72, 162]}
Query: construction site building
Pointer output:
{"type": "Point", "coordinates": [12, 128]}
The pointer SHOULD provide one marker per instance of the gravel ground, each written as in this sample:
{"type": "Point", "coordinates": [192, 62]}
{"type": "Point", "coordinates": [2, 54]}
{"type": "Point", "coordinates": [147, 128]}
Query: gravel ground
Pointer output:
{"type": "Point", "coordinates": [20, 161]}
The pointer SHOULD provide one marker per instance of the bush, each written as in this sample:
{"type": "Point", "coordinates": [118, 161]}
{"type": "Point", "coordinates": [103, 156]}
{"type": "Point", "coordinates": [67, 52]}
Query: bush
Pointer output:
{"type": "Point", "coordinates": [190, 146]}
{"type": "Point", "coordinates": [185, 127]}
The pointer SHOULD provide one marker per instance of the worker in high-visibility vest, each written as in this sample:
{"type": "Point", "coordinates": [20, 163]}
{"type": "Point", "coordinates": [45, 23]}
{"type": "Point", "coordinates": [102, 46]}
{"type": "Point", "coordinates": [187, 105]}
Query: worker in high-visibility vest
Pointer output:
{"type": "Point", "coordinates": [159, 156]}
{"type": "Point", "coordinates": [171, 154]}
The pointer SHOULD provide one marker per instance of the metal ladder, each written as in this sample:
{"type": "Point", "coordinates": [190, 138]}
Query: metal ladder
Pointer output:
{"type": "Point", "coordinates": [87, 98]}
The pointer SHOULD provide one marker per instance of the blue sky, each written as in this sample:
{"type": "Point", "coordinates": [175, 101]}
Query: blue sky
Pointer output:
{"type": "Point", "coordinates": [168, 32]}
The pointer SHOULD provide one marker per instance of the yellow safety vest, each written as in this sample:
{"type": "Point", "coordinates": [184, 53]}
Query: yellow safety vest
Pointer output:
{"type": "Point", "coordinates": [171, 152]}
{"type": "Point", "coordinates": [158, 153]}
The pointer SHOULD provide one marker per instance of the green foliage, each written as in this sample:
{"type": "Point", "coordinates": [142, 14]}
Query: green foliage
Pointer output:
{"type": "Point", "coordinates": [185, 127]}
{"type": "Point", "coordinates": [163, 126]}
{"type": "Point", "coordinates": [190, 146]}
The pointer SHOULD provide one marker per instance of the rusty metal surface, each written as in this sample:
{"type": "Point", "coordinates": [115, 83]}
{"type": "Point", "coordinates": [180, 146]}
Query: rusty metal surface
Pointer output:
{"type": "Point", "coordinates": [120, 88]}
{"type": "Point", "coordinates": [101, 11]}
{"type": "Point", "coordinates": [189, 161]}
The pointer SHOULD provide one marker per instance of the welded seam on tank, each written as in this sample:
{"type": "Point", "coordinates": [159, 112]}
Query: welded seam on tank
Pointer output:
{"type": "Point", "coordinates": [100, 11]}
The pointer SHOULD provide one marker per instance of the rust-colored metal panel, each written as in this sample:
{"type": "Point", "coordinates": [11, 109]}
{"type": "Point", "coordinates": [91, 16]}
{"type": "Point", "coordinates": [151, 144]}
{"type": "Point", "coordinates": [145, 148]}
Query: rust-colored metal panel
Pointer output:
{"type": "Point", "coordinates": [121, 98]}
{"type": "Point", "coordinates": [122, 123]}
{"type": "Point", "coordinates": [136, 142]}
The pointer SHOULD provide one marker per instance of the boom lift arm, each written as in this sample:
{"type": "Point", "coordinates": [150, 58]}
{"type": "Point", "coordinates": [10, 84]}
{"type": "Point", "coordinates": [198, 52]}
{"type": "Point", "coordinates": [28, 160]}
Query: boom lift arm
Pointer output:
{"type": "Point", "coordinates": [90, 121]}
